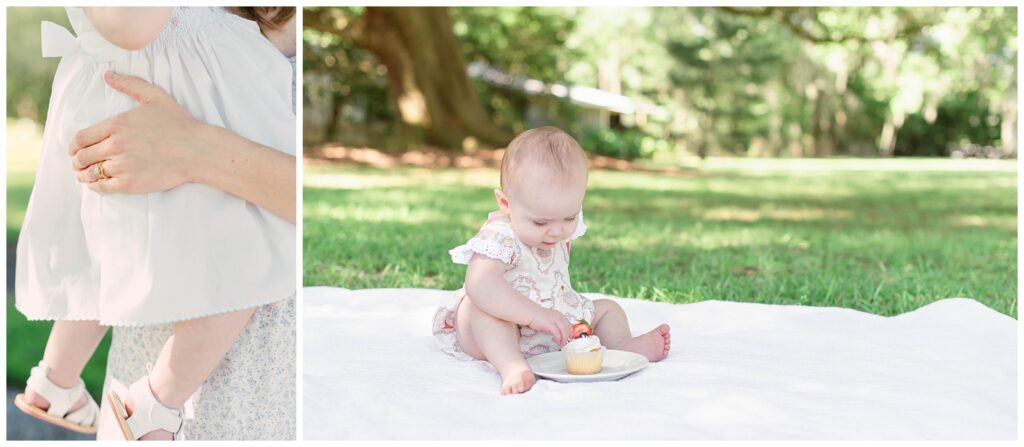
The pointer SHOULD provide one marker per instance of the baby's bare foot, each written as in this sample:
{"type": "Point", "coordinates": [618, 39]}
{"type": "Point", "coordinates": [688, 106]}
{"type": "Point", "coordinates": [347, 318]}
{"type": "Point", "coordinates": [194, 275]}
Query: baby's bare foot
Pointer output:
{"type": "Point", "coordinates": [517, 379]}
{"type": "Point", "coordinates": [654, 345]}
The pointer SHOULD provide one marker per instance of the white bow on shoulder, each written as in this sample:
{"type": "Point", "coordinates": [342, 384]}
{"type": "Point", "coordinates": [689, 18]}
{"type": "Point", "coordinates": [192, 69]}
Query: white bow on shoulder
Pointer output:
{"type": "Point", "coordinates": [57, 41]}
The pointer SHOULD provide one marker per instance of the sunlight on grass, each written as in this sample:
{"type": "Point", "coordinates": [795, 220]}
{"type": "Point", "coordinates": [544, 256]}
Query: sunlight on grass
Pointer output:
{"type": "Point", "coordinates": [319, 176]}
{"type": "Point", "coordinates": [973, 221]}
{"type": "Point", "coordinates": [816, 166]}
{"type": "Point", "coordinates": [748, 215]}
{"type": "Point", "coordinates": [402, 214]}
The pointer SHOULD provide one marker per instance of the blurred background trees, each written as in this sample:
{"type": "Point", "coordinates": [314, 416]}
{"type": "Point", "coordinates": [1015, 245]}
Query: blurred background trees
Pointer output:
{"type": "Point", "coordinates": [29, 75]}
{"type": "Point", "coordinates": [666, 82]}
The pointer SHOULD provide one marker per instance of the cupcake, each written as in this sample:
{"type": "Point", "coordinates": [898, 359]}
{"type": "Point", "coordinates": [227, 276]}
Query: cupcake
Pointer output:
{"type": "Point", "coordinates": [584, 355]}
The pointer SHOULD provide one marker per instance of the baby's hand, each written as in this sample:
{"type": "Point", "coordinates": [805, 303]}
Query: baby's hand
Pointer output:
{"type": "Point", "coordinates": [552, 322]}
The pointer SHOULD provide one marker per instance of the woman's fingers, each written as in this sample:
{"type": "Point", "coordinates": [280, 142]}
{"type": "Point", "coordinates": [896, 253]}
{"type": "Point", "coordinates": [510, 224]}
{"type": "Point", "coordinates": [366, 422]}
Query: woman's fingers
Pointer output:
{"type": "Point", "coordinates": [91, 135]}
{"type": "Point", "coordinates": [109, 185]}
{"type": "Point", "coordinates": [138, 89]}
{"type": "Point", "coordinates": [91, 174]}
{"type": "Point", "coordinates": [87, 175]}
{"type": "Point", "coordinates": [92, 154]}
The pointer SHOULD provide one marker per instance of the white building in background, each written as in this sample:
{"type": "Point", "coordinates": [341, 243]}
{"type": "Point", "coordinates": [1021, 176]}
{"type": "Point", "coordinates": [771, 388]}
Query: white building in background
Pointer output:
{"type": "Point", "coordinates": [600, 109]}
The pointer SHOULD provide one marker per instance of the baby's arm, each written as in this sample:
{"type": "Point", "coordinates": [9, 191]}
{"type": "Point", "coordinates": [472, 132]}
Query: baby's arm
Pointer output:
{"type": "Point", "coordinates": [131, 28]}
{"type": "Point", "coordinates": [487, 288]}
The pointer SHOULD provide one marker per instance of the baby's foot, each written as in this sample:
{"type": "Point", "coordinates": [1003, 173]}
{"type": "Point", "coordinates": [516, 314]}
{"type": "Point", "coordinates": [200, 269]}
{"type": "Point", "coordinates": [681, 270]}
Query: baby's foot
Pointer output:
{"type": "Point", "coordinates": [517, 379]}
{"type": "Point", "coordinates": [654, 345]}
{"type": "Point", "coordinates": [39, 402]}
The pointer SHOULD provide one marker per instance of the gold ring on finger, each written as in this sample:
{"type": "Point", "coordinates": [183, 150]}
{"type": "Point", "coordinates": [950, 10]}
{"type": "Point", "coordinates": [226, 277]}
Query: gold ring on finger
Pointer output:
{"type": "Point", "coordinates": [100, 172]}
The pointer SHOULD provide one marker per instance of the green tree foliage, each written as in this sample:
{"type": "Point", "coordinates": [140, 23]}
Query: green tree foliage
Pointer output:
{"type": "Point", "coordinates": [862, 81]}
{"type": "Point", "coordinates": [752, 81]}
{"type": "Point", "coordinates": [728, 69]}
{"type": "Point", "coordinates": [346, 84]}
{"type": "Point", "coordinates": [29, 75]}
{"type": "Point", "coordinates": [521, 41]}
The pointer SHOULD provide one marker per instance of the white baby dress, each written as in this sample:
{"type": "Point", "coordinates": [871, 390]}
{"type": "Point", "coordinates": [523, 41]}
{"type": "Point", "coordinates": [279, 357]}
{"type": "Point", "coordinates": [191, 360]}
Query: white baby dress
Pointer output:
{"type": "Point", "coordinates": [155, 258]}
{"type": "Point", "coordinates": [538, 273]}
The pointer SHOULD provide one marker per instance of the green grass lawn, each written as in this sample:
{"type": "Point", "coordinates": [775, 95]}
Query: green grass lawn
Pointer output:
{"type": "Point", "coordinates": [26, 339]}
{"type": "Point", "coordinates": [882, 236]}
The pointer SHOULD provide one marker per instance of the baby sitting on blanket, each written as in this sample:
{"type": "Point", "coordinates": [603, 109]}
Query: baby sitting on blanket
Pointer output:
{"type": "Point", "coordinates": [517, 300]}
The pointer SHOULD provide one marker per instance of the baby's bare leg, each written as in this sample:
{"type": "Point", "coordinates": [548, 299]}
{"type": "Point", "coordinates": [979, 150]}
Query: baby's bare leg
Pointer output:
{"type": "Point", "coordinates": [68, 349]}
{"type": "Point", "coordinates": [611, 326]}
{"type": "Point", "coordinates": [189, 356]}
{"type": "Point", "coordinates": [485, 337]}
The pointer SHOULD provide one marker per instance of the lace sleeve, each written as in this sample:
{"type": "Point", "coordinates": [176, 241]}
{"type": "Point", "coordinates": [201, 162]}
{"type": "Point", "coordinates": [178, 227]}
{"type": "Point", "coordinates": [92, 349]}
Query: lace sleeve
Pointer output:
{"type": "Point", "coordinates": [496, 241]}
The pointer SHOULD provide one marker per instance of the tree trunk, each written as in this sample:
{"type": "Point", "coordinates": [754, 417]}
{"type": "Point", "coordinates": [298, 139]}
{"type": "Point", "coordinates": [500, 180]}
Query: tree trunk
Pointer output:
{"type": "Point", "coordinates": [887, 141]}
{"type": "Point", "coordinates": [1008, 128]}
{"type": "Point", "coordinates": [427, 77]}
{"type": "Point", "coordinates": [333, 123]}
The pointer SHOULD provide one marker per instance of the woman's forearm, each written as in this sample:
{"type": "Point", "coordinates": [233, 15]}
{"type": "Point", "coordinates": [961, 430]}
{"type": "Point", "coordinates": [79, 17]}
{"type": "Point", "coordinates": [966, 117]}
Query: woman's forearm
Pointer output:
{"type": "Point", "coordinates": [131, 28]}
{"type": "Point", "coordinates": [256, 173]}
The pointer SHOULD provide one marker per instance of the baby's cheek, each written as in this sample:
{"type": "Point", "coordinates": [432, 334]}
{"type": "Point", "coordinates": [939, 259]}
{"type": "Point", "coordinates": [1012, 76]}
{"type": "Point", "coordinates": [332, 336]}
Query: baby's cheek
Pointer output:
{"type": "Point", "coordinates": [532, 235]}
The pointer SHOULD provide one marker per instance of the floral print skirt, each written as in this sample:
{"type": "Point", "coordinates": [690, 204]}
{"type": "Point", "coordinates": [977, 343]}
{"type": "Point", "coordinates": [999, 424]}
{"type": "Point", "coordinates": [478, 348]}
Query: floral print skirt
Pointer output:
{"type": "Point", "coordinates": [249, 396]}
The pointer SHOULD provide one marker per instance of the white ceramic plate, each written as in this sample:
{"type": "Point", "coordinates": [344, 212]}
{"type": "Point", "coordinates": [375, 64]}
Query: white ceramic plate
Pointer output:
{"type": "Point", "coordinates": [616, 365]}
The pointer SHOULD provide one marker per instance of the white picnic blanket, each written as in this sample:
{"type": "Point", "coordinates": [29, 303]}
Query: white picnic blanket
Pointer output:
{"type": "Point", "coordinates": [736, 371]}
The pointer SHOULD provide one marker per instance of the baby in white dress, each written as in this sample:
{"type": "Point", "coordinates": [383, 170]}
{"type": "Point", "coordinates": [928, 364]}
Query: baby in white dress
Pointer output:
{"type": "Point", "coordinates": [90, 260]}
{"type": "Point", "coordinates": [517, 300]}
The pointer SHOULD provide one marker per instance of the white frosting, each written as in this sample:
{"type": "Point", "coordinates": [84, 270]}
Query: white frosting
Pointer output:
{"type": "Point", "coordinates": [583, 344]}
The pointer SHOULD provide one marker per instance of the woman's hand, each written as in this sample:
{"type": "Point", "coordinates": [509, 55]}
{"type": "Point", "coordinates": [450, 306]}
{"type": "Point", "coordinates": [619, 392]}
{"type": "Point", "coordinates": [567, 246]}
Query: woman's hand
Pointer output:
{"type": "Point", "coordinates": [146, 149]}
{"type": "Point", "coordinates": [158, 146]}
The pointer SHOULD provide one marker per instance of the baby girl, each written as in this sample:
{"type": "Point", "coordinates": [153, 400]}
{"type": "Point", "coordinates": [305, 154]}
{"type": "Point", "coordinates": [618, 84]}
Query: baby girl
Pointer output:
{"type": "Point", "coordinates": [517, 300]}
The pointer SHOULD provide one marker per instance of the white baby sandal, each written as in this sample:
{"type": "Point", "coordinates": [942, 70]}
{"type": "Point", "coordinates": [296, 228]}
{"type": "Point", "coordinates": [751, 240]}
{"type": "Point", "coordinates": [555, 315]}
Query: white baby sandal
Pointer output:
{"type": "Point", "coordinates": [148, 414]}
{"type": "Point", "coordinates": [81, 420]}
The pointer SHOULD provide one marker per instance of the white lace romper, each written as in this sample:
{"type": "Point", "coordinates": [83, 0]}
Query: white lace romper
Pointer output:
{"type": "Point", "coordinates": [538, 273]}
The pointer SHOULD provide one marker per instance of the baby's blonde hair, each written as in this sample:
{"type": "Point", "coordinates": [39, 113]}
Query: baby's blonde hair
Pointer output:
{"type": "Point", "coordinates": [549, 146]}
